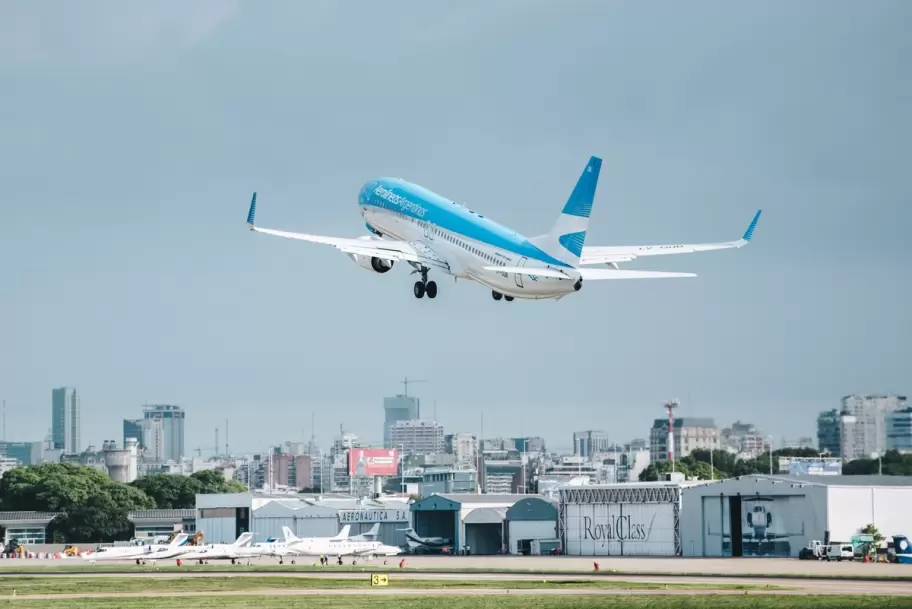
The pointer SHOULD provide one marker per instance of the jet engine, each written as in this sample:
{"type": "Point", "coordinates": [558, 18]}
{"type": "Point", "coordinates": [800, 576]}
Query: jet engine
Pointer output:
{"type": "Point", "coordinates": [378, 265]}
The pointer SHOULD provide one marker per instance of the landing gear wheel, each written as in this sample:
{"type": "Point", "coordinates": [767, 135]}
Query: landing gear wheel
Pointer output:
{"type": "Point", "coordinates": [578, 285]}
{"type": "Point", "coordinates": [431, 289]}
{"type": "Point", "coordinates": [419, 289]}
{"type": "Point", "coordinates": [292, 562]}
{"type": "Point", "coordinates": [508, 298]}
{"type": "Point", "coordinates": [280, 561]}
{"type": "Point", "coordinates": [496, 295]}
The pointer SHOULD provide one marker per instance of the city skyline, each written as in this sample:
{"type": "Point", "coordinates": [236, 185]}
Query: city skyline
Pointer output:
{"type": "Point", "coordinates": [130, 151]}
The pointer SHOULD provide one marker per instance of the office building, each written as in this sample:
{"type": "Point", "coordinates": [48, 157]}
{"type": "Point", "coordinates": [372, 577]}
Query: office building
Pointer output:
{"type": "Point", "coordinates": [132, 428]}
{"type": "Point", "coordinates": [828, 440]}
{"type": "Point", "coordinates": [172, 422]}
{"type": "Point", "coordinates": [65, 423]}
{"type": "Point", "coordinates": [589, 443]}
{"type": "Point", "coordinates": [399, 408]}
{"type": "Point", "coordinates": [899, 430]}
{"type": "Point", "coordinates": [417, 437]}
{"type": "Point", "coordinates": [863, 424]}
{"type": "Point", "coordinates": [27, 453]}
{"type": "Point", "coordinates": [534, 444]}
{"type": "Point", "coordinates": [690, 433]}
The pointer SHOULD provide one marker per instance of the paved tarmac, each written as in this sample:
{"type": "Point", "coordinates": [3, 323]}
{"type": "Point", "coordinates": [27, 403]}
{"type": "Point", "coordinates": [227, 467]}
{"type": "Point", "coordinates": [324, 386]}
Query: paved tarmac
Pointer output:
{"type": "Point", "coordinates": [557, 564]}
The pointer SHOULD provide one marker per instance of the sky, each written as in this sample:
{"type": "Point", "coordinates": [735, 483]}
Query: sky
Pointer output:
{"type": "Point", "coordinates": [133, 134]}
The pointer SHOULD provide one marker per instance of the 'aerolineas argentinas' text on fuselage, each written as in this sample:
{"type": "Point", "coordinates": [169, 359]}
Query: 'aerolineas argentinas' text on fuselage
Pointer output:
{"type": "Point", "coordinates": [403, 203]}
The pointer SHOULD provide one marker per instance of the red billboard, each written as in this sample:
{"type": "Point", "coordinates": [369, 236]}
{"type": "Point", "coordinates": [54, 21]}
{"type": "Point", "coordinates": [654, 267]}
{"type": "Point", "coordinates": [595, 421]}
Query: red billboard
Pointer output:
{"type": "Point", "coordinates": [368, 462]}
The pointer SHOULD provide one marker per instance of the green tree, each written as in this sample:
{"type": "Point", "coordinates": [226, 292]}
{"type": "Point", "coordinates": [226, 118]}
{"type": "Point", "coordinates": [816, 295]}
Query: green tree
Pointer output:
{"type": "Point", "coordinates": [659, 468]}
{"type": "Point", "coordinates": [873, 531]}
{"type": "Point", "coordinates": [169, 491]}
{"type": "Point", "coordinates": [93, 507]}
{"type": "Point", "coordinates": [212, 481]}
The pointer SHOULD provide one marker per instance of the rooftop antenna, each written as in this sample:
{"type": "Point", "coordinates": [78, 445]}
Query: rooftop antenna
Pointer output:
{"type": "Point", "coordinates": [226, 439]}
{"type": "Point", "coordinates": [670, 406]}
{"type": "Point", "coordinates": [4, 421]}
{"type": "Point", "coordinates": [216, 443]}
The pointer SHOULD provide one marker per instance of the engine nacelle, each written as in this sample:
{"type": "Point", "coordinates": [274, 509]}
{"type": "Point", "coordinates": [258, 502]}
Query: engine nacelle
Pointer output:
{"type": "Point", "coordinates": [378, 265]}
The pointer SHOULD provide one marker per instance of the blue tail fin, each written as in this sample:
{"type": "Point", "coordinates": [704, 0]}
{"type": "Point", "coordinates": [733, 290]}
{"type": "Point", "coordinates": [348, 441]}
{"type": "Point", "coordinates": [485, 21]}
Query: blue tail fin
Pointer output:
{"type": "Point", "coordinates": [565, 240]}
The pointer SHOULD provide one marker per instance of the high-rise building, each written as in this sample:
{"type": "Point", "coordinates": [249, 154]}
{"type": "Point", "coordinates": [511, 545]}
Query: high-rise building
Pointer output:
{"type": "Point", "coordinates": [899, 430]}
{"type": "Point", "coordinates": [132, 428]}
{"type": "Point", "coordinates": [399, 408]}
{"type": "Point", "coordinates": [463, 446]}
{"type": "Point", "coordinates": [863, 424]}
{"type": "Point", "coordinates": [828, 440]}
{"type": "Point", "coordinates": [417, 437]}
{"type": "Point", "coordinates": [27, 453]}
{"type": "Point", "coordinates": [745, 439]}
{"type": "Point", "coordinates": [172, 422]}
{"type": "Point", "coordinates": [690, 433]}
{"type": "Point", "coordinates": [65, 423]}
{"type": "Point", "coordinates": [589, 443]}
{"type": "Point", "coordinates": [534, 444]}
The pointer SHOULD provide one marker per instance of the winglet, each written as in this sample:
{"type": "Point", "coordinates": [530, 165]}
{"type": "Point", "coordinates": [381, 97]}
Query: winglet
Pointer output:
{"type": "Point", "coordinates": [252, 212]}
{"type": "Point", "coordinates": [747, 234]}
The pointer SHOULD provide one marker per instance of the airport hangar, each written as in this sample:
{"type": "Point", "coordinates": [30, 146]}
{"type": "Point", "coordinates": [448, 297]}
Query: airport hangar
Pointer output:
{"type": "Point", "coordinates": [772, 516]}
{"type": "Point", "coordinates": [762, 515]}
{"type": "Point", "coordinates": [486, 524]}
{"type": "Point", "coordinates": [223, 517]}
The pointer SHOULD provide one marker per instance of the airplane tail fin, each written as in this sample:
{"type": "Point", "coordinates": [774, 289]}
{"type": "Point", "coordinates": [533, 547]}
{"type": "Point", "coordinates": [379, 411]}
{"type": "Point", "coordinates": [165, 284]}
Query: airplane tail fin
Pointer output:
{"type": "Point", "coordinates": [374, 531]}
{"type": "Point", "coordinates": [343, 534]}
{"type": "Point", "coordinates": [179, 540]}
{"type": "Point", "coordinates": [290, 537]}
{"type": "Point", "coordinates": [243, 540]}
{"type": "Point", "coordinates": [566, 238]}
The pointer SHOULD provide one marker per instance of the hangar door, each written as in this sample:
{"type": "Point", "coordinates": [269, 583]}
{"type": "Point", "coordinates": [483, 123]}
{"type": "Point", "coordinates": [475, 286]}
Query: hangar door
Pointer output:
{"type": "Point", "coordinates": [484, 530]}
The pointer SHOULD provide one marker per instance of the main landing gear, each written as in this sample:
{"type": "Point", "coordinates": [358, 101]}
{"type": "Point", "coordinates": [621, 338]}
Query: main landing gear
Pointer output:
{"type": "Point", "coordinates": [424, 286]}
{"type": "Point", "coordinates": [498, 296]}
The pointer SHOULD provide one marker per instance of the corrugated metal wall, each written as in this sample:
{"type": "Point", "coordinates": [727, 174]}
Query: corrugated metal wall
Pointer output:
{"type": "Point", "coordinates": [217, 530]}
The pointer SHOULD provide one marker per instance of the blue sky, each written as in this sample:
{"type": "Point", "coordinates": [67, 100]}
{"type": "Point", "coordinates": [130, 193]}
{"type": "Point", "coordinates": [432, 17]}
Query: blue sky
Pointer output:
{"type": "Point", "coordinates": [133, 135]}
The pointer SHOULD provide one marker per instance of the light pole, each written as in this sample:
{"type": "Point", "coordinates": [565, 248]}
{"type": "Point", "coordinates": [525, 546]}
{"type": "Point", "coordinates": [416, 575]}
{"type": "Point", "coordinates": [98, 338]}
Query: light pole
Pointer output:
{"type": "Point", "coordinates": [771, 454]}
{"type": "Point", "coordinates": [523, 459]}
{"type": "Point", "coordinates": [401, 469]}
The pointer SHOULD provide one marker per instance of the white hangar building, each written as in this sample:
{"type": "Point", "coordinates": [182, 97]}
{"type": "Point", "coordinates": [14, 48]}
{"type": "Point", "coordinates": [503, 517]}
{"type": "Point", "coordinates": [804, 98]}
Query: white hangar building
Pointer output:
{"type": "Point", "coordinates": [762, 515]}
{"type": "Point", "coordinates": [223, 517]}
{"type": "Point", "coordinates": [634, 519]}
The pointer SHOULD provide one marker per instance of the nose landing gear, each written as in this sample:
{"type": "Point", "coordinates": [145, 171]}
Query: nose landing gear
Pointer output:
{"type": "Point", "coordinates": [498, 296]}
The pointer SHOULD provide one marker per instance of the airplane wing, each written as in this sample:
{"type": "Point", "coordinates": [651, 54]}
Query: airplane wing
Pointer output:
{"type": "Point", "coordinates": [588, 274]}
{"type": "Point", "coordinates": [625, 253]}
{"type": "Point", "coordinates": [363, 246]}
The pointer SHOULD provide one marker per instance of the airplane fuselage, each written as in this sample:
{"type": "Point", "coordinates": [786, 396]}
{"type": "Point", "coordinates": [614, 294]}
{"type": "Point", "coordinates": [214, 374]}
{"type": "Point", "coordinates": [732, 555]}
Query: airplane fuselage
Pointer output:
{"type": "Point", "coordinates": [464, 241]}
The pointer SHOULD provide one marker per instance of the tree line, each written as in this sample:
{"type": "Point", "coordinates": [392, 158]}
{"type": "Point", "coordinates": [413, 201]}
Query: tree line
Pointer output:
{"type": "Point", "coordinates": [94, 508]}
{"type": "Point", "coordinates": [728, 465]}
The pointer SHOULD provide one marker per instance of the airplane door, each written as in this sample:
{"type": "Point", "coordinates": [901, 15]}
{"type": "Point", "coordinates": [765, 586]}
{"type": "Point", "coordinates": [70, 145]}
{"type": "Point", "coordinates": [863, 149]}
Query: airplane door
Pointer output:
{"type": "Point", "coordinates": [428, 233]}
{"type": "Point", "coordinates": [522, 262]}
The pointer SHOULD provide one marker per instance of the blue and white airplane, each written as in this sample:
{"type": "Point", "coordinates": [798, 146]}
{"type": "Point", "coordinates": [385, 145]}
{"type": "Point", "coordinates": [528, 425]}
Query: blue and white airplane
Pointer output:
{"type": "Point", "coordinates": [431, 233]}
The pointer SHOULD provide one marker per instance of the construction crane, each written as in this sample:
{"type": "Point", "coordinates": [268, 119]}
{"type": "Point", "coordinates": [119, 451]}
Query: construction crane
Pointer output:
{"type": "Point", "coordinates": [407, 382]}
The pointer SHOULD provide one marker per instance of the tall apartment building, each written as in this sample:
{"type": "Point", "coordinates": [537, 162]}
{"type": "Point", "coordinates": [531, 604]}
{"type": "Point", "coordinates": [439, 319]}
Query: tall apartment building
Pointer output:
{"type": "Point", "coordinates": [417, 437]}
{"type": "Point", "coordinates": [745, 439]}
{"type": "Point", "coordinates": [589, 443]}
{"type": "Point", "coordinates": [899, 430]}
{"type": "Point", "coordinates": [863, 424]}
{"type": "Point", "coordinates": [172, 422]}
{"type": "Point", "coordinates": [65, 421]}
{"type": "Point", "coordinates": [463, 446]}
{"type": "Point", "coordinates": [690, 433]}
{"type": "Point", "coordinates": [399, 408]}
{"type": "Point", "coordinates": [150, 433]}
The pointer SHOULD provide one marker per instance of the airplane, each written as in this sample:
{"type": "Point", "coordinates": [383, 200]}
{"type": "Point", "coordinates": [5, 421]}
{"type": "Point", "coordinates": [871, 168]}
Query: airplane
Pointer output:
{"type": "Point", "coordinates": [135, 551]}
{"type": "Point", "coordinates": [341, 545]}
{"type": "Point", "coordinates": [369, 535]}
{"type": "Point", "coordinates": [421, 544]}
{"type": "Point", "coordinates": [411, 224]}
{"type": "Point", "coordinates": [224, 551]}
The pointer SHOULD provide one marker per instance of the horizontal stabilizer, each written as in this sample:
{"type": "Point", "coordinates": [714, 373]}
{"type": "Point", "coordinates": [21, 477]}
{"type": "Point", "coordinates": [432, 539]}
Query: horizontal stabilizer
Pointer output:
{"type": "Point", "coordinates": [525, 270]}
{"type": "Point", "coordinates": [599, 274]}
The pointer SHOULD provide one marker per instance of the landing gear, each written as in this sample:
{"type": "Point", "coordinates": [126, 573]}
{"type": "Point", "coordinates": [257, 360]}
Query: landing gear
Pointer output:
{"type": "Point", "coordinates": [578, 284]}
{"type": "Point", "coordinates": [496, 295]}
{"type": "Point", "coordinates": [508, 298]}
{"type": "Point", "coordinates": [424, 286]}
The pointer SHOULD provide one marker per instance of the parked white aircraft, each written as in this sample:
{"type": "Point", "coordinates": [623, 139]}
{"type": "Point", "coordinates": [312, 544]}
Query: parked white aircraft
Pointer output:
{"type": "Point", "coordinates": [224, 551]}
{"type": "Point", "coordinates": [344, 546]}
{"type": "Point", "coordinates": [419, 544]}
{"type": "Point", "coordinates": [136, 551]}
